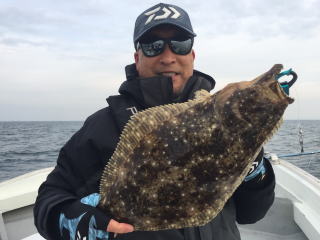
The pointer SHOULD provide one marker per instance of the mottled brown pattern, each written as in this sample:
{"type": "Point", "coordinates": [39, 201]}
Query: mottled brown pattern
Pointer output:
{"type": "Point", "coordinates": [176, 165]}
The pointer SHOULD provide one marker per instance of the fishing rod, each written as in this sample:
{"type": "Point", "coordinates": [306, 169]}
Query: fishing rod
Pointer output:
{"type": "Point", "coordinates": [285, 86]}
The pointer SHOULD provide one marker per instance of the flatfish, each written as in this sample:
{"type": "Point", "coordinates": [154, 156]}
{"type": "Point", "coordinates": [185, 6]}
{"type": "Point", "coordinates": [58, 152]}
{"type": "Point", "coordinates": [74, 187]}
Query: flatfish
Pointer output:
{"type": "Point", "coordinates": [176, 165]}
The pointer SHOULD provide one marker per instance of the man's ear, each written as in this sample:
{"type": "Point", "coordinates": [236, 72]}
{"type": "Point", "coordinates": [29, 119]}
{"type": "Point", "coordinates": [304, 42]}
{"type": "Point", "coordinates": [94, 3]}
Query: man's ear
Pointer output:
{"type": "Point", "coordinates": [136, 57]}
{"type": "Point", "coordinates": [193, 54]}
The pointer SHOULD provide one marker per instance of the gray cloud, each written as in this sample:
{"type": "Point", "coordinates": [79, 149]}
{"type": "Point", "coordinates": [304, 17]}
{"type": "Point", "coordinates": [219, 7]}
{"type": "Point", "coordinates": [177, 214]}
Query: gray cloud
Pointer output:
{"type": "Point", "coordinates": [83, 46]}
{"type": "Point", "coordinates": [29, 21]}
{"type": "Point", "coordinates": [257, 18]}
{"type": "Point", "coordinates": [77, 25]}
{"type": "Point", "coordinates": [21, 41]}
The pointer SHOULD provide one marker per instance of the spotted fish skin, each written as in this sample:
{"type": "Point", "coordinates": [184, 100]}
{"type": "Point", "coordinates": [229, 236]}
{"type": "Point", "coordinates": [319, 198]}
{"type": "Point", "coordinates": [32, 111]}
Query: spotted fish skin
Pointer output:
{"type": "Point", "coordinates": [176, 165]}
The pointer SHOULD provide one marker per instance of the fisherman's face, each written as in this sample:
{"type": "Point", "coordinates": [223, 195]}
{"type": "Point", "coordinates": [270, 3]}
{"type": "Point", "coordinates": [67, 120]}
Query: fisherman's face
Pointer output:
{"type": "Point", "coordinates": [178, 67]}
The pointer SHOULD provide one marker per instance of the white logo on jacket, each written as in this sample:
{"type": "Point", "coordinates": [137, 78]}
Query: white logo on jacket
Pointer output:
{"type": "Point", "coordinates": [133, 109]}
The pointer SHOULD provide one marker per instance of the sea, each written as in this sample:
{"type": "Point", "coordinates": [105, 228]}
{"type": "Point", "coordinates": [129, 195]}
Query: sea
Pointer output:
{"type": "Point", "coordinates": [28, 146]}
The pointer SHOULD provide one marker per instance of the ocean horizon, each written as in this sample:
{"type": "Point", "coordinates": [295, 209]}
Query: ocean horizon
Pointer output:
{"type": "Point", "coordinates": [30, 145]}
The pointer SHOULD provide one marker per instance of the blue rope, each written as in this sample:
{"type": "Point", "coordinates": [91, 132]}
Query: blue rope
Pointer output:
{"type": "Point", "coordinates": [298, 154]}
{"type": "Point", "coordinates": [284, 73]}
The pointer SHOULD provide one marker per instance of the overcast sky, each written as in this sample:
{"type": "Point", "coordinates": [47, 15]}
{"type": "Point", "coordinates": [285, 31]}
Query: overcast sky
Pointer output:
{"type": "Point", "coordinates": [60, 59]}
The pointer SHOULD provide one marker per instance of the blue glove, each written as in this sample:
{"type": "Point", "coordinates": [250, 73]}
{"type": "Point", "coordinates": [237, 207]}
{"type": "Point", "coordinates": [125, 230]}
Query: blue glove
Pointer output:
{"type": "Point", "coordinates": [257, 169]}
{"type": "Point", "coordinates": [82, 220]}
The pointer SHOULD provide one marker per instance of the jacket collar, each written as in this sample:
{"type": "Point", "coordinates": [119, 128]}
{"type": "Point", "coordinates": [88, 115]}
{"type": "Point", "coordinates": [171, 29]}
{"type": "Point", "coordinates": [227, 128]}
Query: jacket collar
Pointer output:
{"type": "Point", "coordinates": [154, 91]}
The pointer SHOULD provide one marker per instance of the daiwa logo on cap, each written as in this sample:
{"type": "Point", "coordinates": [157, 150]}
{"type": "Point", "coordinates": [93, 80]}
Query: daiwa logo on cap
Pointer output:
{"type": "Point", "coordinates": [164, 13]}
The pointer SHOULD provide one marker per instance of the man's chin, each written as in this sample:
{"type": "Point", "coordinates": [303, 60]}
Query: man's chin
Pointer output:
{"type": "Point", "coordinates": [177, 91]}
{"type": "Point", "coordinates": [178, 85]}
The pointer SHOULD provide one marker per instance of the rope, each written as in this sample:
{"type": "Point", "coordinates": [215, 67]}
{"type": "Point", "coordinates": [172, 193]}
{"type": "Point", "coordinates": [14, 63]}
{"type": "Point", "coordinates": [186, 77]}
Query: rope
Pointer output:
{"type": "Point", "coordinates": [298, 154]}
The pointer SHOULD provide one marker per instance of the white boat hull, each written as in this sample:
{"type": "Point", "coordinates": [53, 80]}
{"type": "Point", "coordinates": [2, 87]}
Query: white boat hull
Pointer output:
{"type": "Point", "coordinates": [295, 214]}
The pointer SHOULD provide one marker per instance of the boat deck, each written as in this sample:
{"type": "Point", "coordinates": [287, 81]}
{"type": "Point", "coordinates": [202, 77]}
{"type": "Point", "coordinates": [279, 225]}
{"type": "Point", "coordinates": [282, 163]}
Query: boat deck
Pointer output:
{"type": "Point", "coordinates": [278, 224]}
{"type": "Point", "coordinates": [295, 214]}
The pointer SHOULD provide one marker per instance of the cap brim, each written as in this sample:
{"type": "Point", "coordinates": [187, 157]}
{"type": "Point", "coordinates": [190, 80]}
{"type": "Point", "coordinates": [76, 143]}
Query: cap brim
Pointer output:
{"type": "Point", "coordinates": [164, 23]}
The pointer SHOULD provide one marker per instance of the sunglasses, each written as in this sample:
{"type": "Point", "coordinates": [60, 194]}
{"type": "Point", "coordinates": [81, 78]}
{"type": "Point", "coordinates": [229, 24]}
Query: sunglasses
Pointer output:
{"type": "Point", "coordinates": [153, 46]}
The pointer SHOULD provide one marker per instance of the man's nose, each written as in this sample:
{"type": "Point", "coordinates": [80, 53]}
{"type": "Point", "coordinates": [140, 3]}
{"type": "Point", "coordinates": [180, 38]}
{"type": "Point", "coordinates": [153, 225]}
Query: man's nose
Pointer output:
{"type": "Point", "coordinates": [167, 56]}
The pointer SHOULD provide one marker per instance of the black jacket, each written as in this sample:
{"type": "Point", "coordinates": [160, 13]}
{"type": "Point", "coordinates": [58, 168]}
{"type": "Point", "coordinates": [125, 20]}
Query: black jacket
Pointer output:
{"type": "Point", "coordinates": [82, 160]}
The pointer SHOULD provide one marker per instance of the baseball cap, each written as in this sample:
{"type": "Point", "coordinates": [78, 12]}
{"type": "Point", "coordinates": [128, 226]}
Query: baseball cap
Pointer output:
{"type": "Point", "coordinates": [162, 13]}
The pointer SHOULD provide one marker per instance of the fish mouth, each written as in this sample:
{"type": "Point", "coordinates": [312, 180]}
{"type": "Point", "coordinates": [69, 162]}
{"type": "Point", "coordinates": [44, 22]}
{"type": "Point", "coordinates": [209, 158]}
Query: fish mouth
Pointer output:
{"type": "Point", "coordinates": [278, 68]}
{"type": "Point", "coordinates": [289, 99]}
{"type": "Point", "coordinates": [270, 80]}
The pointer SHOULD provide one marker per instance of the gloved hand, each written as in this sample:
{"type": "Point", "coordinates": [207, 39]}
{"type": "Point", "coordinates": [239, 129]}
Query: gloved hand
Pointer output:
{"type": "Point", "coordinates": [82, 220]}
{"type": "Point", "coordinates": [257, 170]}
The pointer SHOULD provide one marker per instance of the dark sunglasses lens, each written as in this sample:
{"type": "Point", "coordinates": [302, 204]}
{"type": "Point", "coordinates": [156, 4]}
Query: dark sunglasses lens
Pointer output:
{"type": "Point", "coordinates": [153, 48]}
{"type": "Point", "coordinates": [181, 47]}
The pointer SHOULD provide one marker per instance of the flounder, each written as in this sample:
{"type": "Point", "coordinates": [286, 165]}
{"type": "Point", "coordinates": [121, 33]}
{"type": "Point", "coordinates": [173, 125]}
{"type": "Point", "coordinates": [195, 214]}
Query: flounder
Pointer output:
{"type": "Point", "coordinates": [176, 165]}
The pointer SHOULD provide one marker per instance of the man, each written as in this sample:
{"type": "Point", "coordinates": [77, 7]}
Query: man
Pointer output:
{"type": "Point", "coordinates": [163, 73]}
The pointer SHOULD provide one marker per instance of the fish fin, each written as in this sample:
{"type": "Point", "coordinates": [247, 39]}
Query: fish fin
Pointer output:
{"type": "Point", "coordinates": [201, 94]}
